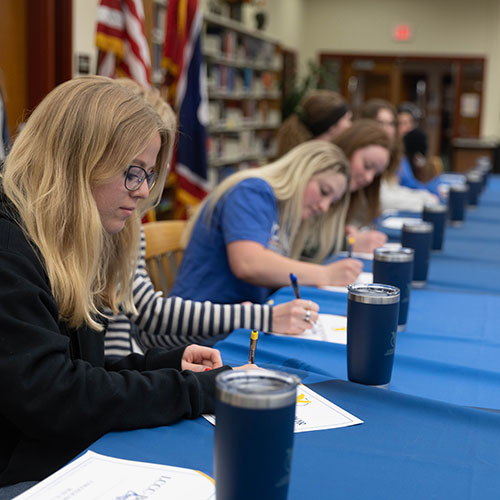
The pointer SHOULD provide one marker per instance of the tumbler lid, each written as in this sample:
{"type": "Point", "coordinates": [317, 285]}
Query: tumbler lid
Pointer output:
{"type": "Point", "coordinates": [257, 389]}
{"type": "Point", "coordinates": [373, 293]}
{"type": "Point", "coordinates": [418, 227]}
{"type": "Point", "coordinates": [393, 254]}
{"type": "Point", "coordinates": [459, 188]}
{"type": "Point", "coordinates": [435, 208]}
{"type": "Point", "coordinates": [474, 177]}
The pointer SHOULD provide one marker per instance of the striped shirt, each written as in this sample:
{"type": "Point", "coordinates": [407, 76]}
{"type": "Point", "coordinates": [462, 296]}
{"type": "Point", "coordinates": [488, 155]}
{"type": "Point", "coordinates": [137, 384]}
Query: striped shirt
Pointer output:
{"type": "Point", "coordinates": [172, 322]}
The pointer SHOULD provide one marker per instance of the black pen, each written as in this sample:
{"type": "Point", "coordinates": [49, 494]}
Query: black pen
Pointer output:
{"type": "Point", "coordinates": [253, 346]}
{"type": "Point", "coordinates": [295, 285]}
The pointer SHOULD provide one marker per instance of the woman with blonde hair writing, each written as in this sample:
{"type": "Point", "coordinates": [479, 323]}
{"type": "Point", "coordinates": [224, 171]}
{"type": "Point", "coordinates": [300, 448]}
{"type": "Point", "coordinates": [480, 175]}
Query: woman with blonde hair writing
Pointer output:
{"type": "Point", "coordinates": [90, 161]}
{"type": "Point", "coordinates": [248, 235]}
{"type": "Point", "coordinates": [172, 322]}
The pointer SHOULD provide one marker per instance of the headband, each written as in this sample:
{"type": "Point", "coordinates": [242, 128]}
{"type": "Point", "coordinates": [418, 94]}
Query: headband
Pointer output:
{"type": "Point", "coordinates": [323, 125]}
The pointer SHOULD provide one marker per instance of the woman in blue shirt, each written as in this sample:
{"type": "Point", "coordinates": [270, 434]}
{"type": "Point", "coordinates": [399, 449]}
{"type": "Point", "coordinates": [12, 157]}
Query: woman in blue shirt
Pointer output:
{"type": "Point", "coordinates": [248, 235]}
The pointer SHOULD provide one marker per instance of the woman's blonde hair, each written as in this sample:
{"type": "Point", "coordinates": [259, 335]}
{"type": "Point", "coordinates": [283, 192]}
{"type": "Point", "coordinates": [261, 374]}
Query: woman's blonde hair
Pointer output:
{"type": "Point", "coordinates": [288, 177]}
{"type": "Point", "coordinates": [154, 98]}
{"type": "Point", "coordinates": [365, 203]}
{"type": "Point", "coordinates": [85, 132]}
{"type": "Point", "coordinates": [317, 112]}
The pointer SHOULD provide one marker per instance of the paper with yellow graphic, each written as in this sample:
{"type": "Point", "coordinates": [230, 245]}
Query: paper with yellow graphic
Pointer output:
{"type": "Point", "coordinates": [328, 328]}
{"type": "Point", "coordinates": [314, 413]}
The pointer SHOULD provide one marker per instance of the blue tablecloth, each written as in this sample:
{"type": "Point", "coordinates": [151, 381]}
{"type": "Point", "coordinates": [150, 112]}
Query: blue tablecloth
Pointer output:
{"type": "Point", "coordinates": [470, 260]}
{"type": "Point", "coordinates": [407, 447]}
{"type": "Point", "coordinates": [449, 351]}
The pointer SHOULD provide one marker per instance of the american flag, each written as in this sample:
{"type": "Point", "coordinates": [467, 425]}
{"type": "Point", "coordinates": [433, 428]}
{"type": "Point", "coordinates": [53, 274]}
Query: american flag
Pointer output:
{"type": "Point", "coordinates": [186, 81]}
{"type": "Point", "coordinates": [122, 43]}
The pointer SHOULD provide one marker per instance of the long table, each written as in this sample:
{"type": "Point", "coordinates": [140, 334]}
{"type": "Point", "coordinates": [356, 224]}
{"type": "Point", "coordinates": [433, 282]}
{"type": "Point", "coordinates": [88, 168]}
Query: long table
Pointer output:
{"type": "Point", "coordinates": [409, 446]}
{"type": "Point", "coordinates": [470, 260]}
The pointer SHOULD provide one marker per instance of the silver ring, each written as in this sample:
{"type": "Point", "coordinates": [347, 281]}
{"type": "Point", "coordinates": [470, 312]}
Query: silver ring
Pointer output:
{"type": "Point", "coordinates": [308, 316]}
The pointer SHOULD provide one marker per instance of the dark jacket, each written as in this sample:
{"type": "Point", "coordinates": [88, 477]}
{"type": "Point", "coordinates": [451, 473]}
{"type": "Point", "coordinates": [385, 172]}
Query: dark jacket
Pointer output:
{"type": "Point", "coordinates": [58, 393]}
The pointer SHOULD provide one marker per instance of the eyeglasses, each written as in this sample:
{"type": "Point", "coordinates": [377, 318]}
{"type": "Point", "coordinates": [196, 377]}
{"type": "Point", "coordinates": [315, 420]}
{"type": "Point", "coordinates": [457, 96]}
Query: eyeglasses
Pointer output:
{"type": "Point", "coordinates": [135, 176]}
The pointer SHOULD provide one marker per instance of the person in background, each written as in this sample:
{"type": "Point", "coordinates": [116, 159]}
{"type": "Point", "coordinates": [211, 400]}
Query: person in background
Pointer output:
{"type": "Point", "coordinates": [409, 116]}
{"type": "Point", "coordinates": [163, 322]}
{"type": "Point", "coordinates": [73, 188]}
{"type": "Point", "coordinates": [322, 115]}
{"type": "Point", "coordinates": [248, 235]}
{"type": "Point", "coordinates": [392, 194]}
{"type": "Point", "coordinates": [415, 161]}
{"type": "Point", "coordinates": [368, 149]}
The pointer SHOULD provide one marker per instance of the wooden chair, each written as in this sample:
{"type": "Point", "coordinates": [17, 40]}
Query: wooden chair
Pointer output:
{"type": "Point", "coordinates": [163, 251]}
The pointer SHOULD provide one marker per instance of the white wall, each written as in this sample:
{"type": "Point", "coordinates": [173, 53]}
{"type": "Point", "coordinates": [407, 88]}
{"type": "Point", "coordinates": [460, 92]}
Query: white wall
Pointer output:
{"type": "Point", "coordinates": [285, 21]}
{"type": "Point", "coordinates": [84, 24]}
{"type": "Point", "coordinates": [440, 27]}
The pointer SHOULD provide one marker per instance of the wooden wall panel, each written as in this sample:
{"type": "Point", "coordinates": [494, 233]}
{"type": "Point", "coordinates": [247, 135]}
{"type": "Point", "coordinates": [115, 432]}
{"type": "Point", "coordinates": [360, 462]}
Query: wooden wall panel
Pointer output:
{"type": "Point", "coordinates": [13, 43]}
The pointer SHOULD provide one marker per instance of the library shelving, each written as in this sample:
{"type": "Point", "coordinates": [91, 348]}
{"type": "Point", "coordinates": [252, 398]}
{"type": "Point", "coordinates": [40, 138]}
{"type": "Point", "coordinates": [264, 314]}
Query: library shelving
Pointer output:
{"type": "Point", "coordinates": [243, 86]}
{"type": "Point", "coordinates": [243, 73]}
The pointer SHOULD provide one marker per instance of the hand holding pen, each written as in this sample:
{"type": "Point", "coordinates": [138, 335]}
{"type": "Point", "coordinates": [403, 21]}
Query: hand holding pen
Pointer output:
{"type": "Point", "coordinates": [296, 291]}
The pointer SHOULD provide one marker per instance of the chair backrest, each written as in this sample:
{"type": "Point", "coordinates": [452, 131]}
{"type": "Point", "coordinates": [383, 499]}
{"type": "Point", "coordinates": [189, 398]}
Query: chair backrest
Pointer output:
{"type": "Point", "coordinates": [163, 251]}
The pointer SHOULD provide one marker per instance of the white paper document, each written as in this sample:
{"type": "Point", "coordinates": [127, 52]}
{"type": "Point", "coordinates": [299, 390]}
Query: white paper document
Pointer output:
{"type": "Point", "coordinates": [328, 328]}
{"type": "Point", "coordinates": [315, 413]}
{"type": "Point", "coordinates": [98, 477]}
{"type": "Point", "coordinates": [362, 278]}
{"type": "Point", "coordinates": [397, 222]}
{"type": "Point", "coordinates": [357, 255]}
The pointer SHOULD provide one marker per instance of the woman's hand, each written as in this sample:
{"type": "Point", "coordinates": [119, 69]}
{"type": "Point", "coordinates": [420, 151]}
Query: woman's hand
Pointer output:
{"type": "Point", "coordinates": [367, 241]}
{"type": "Point", "coordinates": [292, 317]}
{"type": "Point", "coordinates": [342, 272]}
{"type": "Point", "coordinates": [249, 366]}
{"type": "Point", "coordinates": [198, 358]}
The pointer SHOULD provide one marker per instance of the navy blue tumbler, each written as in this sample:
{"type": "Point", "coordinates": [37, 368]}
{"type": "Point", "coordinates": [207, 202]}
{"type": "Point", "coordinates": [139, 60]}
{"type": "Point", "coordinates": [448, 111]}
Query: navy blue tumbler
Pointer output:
{"type": "Point", "coordinates": [457, 201]}
{"type": "Point", "coordinates": [475, 183]}
{"type": "Point", "coordinates": [372, 323]}
{"type": "Point", "coordinates": [253, 445]}
{"type": "Point", "coordinates": [395, 267]}
{"type": "Point", "coordinates": [438, 215]}
{"type": "Point", "coordinates": [419, 237]}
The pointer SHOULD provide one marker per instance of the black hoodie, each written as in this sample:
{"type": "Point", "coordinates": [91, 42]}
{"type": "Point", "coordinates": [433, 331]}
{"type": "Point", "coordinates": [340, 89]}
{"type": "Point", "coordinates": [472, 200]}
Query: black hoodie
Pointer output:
{"type": "Point", "coordinates": [58, 393]}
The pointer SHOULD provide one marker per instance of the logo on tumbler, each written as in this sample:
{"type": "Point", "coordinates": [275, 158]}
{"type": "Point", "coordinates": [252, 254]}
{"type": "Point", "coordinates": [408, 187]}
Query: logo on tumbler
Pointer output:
{"type": "Point", "coordinates": [391, 350]}
{"type": "Point", "coordinates": [287, 464]}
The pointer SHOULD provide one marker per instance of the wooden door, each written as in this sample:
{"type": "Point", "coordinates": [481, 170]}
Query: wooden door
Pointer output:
{"type": "Point", "coordinates": [13, 43]}
{"type": "Point", "coordinates": [36, 54]}
{"type": "Point", "coordinates": [366, 78]}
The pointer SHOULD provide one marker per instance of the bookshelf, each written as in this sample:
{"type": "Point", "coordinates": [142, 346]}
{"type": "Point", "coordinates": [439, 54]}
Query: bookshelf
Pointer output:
{"type": "Point", "coordinates": [243, 79]}
{"type": "Point", "coordinates": [243, 84]}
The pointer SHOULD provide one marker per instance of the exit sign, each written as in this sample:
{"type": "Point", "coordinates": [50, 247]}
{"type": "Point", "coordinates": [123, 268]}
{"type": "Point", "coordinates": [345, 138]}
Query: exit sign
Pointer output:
{"type": "Point", "coordinates": [402, 33]}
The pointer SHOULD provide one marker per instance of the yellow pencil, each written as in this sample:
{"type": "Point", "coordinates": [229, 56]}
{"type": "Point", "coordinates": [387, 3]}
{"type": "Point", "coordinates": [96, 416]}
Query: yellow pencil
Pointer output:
{"type": "Point", "coordinates": [253, 346]}
{"type": "Point", "coordinates": [350, 243]}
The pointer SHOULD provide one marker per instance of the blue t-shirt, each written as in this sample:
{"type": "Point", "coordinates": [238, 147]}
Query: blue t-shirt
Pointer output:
{"type": "Point", "coordinates": [407, 178]}
{"type": "Point", "coordinates": [249, 211]}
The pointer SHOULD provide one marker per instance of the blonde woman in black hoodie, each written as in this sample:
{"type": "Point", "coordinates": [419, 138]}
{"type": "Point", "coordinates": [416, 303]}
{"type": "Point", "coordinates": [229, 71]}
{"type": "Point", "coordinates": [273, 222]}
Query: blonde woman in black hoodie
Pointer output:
{"type": "Point", "coordinates": [73, 189]}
